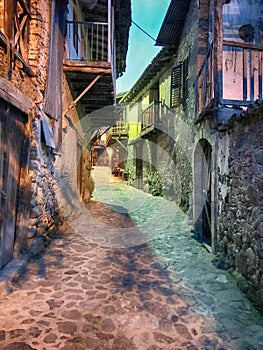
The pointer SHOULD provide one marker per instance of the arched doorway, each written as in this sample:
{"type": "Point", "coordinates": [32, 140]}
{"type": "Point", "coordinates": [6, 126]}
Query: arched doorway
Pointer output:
{"type": "Point", "coordinates": [202, 191]}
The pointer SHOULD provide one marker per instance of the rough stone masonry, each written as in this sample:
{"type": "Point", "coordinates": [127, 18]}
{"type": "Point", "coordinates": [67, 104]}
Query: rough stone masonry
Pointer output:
{"type": "Point", "coordinates": [240, 224]}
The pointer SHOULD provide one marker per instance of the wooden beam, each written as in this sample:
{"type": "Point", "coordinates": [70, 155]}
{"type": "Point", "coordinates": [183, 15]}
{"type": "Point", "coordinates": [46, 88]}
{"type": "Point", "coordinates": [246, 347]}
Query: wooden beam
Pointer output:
{"type": "Point", "coordinates": [26, 67]}
{"type": "Point", "coordinates": [87, 70]}
{"type": "Point", "coordinates": [23, 3]}
{"type": "Point", "coordinates": [20, 28]}
{"type": "Point", "coordinates": [86, 64]}
{"type": "Point", "coordinates": [82, 94]}
{"type": "Point", "coordinates": [12, 95]}
{"type": "Point", "coordinates": [217, 52]}
{"type": "Point", "coordinates": [243, 45]}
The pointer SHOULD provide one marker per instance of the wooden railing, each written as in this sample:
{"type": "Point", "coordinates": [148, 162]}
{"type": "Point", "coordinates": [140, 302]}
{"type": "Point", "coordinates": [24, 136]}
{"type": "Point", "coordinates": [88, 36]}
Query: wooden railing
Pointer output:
{"type": "Point", "coordinates": [150, 115]}
{"type": "Point", "coordinates": [204, 85]}
{"type": "Point", "coordinates": [239, 83]}
{"type": "Point", "coordinates": [120, 129]}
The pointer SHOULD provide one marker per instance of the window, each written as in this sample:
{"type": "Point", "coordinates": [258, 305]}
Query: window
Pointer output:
{"type": "Point", "coordinates": [21, 27]}
{"type": "Point", "coordinates": [176, 81]}
{"type": "Point", "coordinates": [179, 84]}
{"type": "Point", "coordinates": [16, 26]}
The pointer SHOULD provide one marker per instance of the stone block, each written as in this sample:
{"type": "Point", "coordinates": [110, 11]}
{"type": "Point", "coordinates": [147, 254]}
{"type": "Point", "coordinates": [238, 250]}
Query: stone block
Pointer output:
{"type": "Point", "coordinates": [31, 232]}
{"type": "Point", "coordinates": [36, 212]}
{"type": "Point", "coordinates": [259, 156]}
{"type": "Point", "coordinates": [36, 246]}
{"type": "Point", "coordinates": [251, 256]}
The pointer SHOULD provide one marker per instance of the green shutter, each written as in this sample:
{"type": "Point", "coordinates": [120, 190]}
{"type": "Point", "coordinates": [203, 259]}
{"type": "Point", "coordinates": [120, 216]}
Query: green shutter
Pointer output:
{"type": "Point", "coordinates": [185, 94]}
{"type": "Point", "coordinates": [176, 83]}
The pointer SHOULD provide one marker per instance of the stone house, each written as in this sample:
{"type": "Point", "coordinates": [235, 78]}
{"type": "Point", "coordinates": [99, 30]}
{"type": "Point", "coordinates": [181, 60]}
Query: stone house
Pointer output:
{"type": "Point", "coordinates": [59, 62]}
{"type": "Point", "coordinates": [196, 119]}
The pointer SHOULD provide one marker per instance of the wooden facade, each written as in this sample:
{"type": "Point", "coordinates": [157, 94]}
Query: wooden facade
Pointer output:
{"type": "Point", "coordinates": [93, 61]}
{"type": "Point", "coordinates": [230, 77]}
{"type": "Point", "coordinates": [15, 191]}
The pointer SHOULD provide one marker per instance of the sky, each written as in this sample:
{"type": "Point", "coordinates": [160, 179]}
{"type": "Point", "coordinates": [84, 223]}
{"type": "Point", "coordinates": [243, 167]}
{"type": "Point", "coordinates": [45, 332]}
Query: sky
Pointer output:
{"type": "Point", "coordinates": [149, 15]}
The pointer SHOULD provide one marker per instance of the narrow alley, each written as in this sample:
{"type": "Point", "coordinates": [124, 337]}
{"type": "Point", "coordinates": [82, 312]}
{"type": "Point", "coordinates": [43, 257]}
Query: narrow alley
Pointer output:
{"type": "Point", "coordinates": [132, 278]}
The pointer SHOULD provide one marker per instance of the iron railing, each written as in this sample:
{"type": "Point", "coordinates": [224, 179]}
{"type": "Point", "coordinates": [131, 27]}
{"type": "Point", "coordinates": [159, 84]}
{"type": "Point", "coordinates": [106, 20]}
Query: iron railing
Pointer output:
{"type": "Point", "coordinates": [87, 41]}
{"type": "Point", "coordinates": [239, 83]}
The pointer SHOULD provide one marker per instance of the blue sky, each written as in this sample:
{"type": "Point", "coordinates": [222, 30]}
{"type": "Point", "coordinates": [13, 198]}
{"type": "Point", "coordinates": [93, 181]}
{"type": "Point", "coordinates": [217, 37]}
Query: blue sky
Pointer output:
{"type": "Point", "coordinates": [149, 15]}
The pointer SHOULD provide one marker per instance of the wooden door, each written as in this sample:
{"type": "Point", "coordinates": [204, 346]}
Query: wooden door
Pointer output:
{"type": "Point", "coordinates": [80, 170]}
{"type": "Point", "coordinates": [12, 123]}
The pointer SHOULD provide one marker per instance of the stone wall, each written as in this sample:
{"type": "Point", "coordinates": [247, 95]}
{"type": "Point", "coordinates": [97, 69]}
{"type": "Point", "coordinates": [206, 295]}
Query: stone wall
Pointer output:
{"type": "Point", "coordinates": [44, 211]}
{"type": "Point", "coordinates": [32, 87]}
{"type": "Point", "coordinates": [240, 221]}
{"type": "Point", "coordinates": [71, 160]}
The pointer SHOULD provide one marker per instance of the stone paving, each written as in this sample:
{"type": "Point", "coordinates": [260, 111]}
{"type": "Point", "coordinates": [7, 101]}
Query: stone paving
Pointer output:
{"type": "Point", "coordinates": [127, 275]}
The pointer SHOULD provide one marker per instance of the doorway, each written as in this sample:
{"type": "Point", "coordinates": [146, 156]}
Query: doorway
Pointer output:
{"type": "Point", "coordinates": [202, 192]}
{"type": "Point", "coordinates": [12, 142]}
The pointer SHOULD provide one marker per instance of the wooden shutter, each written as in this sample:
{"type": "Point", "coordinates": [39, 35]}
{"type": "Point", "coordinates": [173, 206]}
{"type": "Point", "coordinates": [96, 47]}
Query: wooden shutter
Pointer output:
{"type": "Point", "coordinates": [53, 97]}
{"type": "Point", "coordinates": [176, 83]}
{"type": "Point", "coordinates": [185, 94]}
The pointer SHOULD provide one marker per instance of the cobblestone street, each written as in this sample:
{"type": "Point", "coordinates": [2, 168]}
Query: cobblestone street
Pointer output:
{"type": "Point", "coordinates": [127, 275]}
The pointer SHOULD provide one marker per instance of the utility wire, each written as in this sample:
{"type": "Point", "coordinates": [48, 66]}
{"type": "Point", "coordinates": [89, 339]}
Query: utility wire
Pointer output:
{"type": "Point", "coordinates": [137, 25]}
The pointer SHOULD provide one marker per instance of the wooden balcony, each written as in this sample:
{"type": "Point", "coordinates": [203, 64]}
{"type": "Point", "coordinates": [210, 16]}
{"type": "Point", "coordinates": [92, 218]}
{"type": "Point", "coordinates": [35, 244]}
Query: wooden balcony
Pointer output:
{"type": "Point", "coordinates": [150, 119]}
{"type": "Point", "coordinates": [120, 130]}
{"type": "Point", "coordinates": [239, 84]}
{"type": "Point", "coordinates": [155, 118]}
{"type": "Point", "coordinates": [89, 65]}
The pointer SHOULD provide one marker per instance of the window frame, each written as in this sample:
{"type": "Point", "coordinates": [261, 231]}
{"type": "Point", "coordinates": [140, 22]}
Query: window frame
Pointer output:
{"type": "Point", "coordinates": [179, 89]}
{"type": "Point", "coordinates": [16, 27]}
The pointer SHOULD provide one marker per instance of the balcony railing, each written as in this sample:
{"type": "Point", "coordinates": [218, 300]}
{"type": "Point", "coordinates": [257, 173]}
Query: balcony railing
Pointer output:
{"type": "Point", "coordinates": [150, 116]}
{"type": "Point", "coordinates": [121, 129]}
{"type": "Point", "coordinates": [241, 82]}
{"type": "Point", "coordinates": [87, 41]}
{"type": "Point", "coordinates": [204, 85]}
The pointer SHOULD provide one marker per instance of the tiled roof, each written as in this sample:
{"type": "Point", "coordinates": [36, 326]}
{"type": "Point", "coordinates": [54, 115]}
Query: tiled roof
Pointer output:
{"type": "Point", "coordinates": [171, 29]}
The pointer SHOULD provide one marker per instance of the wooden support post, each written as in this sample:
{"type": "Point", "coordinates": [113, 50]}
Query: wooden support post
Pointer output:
{"type": "Point", "coordinates": [218, 53]}
{"type": "Point", "coordinates": [109, 30]}
{"type": "Point", "coordinates": [73, 104]}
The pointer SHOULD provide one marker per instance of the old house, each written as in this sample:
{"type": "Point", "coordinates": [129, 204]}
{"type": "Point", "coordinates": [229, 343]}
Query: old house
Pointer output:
{"type": "Point", "coordinates": [197, 109]}
{"type": "Point", "coordinates": [96, 48]}
{"type": "Point", "coordinates": [59, 61]}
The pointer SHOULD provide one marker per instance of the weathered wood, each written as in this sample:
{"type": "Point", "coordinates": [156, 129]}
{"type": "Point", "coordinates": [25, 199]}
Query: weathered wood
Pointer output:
{"type": "Point", "coordinates": [88, 64]}
{"type": "Point", "coordinates": [53, 97]}
{"type": "Point", "coordinates": [243, 45]}
{"type": "Point", "coordinates": [4, 43]}
{"type": "Point", "coordinates": [24, 194]}
{"type": "Point", "coordinates": [24, 4]}
{"type": "Point", "coordinates": [12, 142]}
{"type": "Point", "coordinates": [19, 31]}
{"type": "Point", "coordinates": [98, 97]}
{"type": "Point", "coordinates": [82, 94]}
{"type": "Point", "coordinates": [260, 77]}
{"type": "Point", "coordinates": [9, 16]}
{"type": "Point", "coordinates": [87, 69]}
{"type": "Point", "coordinates": [12, 95]}
{"type": "Point", "coordinates": [217, 53]}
